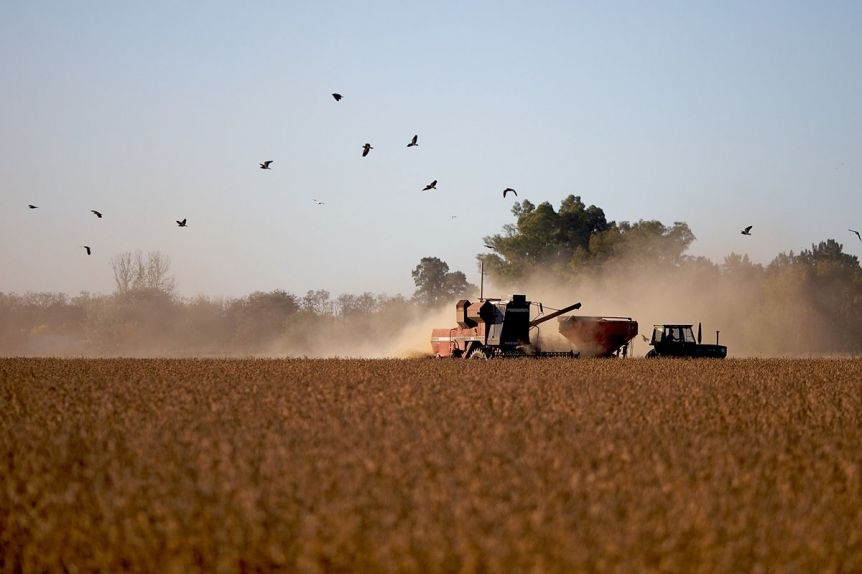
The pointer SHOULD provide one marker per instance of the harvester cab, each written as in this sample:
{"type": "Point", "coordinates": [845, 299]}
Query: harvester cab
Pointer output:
{"type": "Point", "coordinates": [679, 341]}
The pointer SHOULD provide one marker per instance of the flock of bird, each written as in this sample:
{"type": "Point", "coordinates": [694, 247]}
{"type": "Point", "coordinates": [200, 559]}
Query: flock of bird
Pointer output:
{"type": "Point", "coordinates": [366, 149]}
{"type": "Point", "coordinates": [98, 214]}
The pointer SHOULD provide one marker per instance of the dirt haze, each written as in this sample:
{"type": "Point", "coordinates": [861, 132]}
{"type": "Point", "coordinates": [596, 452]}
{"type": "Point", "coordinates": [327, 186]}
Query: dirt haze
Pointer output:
{"type": "Point", "coordinates": [753, 320]}
{"type": "Point", "coordinates": [757, 314]}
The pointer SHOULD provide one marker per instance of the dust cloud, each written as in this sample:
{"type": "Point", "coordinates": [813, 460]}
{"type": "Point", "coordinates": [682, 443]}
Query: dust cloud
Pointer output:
{"type": "Point", "coordinates": [758, 313]}
{"type": "Point", "coordinates": [754, 317]}
{"type": "Point", "coordinates": [401, 335]}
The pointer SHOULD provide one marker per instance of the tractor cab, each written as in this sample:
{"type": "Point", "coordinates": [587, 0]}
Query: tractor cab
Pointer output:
{"type": "Point", "coordinates": [679, 341]}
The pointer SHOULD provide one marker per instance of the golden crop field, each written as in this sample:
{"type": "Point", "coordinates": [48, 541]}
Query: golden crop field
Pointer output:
{"type": "Point", "coordinates": [430, 465]}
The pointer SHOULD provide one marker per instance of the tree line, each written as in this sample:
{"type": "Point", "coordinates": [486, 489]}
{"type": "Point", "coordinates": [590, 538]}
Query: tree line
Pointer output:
{"type": "Point", "coordinates": [810, 301]}
{"type": "Point", "coordinates": [799, 303]}
{"type": "Point", "coordinates": [144, 316]}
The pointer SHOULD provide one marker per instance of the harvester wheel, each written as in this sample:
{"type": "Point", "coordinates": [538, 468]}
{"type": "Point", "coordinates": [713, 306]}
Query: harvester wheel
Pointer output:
{"type": "Point", "coordinates": [651, 354]}
{"type": "Point", "coordinates": [478, 352]}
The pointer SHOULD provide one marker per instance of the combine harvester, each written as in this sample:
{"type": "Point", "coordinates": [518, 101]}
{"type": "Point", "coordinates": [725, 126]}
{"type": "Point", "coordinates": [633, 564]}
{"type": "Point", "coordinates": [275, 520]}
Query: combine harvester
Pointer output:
{"type": "Point", "coordinates": [498, 328]}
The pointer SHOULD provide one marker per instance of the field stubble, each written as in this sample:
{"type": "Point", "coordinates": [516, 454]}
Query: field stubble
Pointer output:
{"type": "Point", "coordinates": [424, 465]}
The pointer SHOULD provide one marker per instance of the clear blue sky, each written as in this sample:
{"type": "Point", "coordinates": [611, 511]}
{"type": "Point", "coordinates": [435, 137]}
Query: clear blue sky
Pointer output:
{"type": "Point", "coordinates": [719, 114]}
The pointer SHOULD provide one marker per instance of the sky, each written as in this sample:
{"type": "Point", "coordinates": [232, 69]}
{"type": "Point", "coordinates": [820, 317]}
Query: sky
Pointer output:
{"type": "Point", "coordinates": [718, 114]}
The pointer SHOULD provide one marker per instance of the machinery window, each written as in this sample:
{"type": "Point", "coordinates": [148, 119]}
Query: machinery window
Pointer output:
{"type": "Point", "coordinates": [689, 336]}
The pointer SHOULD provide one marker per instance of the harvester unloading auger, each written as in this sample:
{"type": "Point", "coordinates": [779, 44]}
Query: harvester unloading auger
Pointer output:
{"type": "Point", "coordinates": [497, 328]}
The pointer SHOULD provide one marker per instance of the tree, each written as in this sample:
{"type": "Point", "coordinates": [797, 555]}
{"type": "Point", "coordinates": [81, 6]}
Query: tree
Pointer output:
{"type": "Point", "coordinates": [260, 317]}
{"type": "Point", "coordinates": [825, 286]}
{"type": "Point", "coordinates": [436, 284]}
{"type": "Point", "coordinates": [353, 305]}
{"type": "Point", "coordinates": [543, 236]}
{"type": "Point", "coordinates": [578, 236]}
{"type": "Point", "coordinates": [829, 253]}
{"type": "Point", "coordinates": [134, 272]}
{"type": "Point", "coordinates": [649, 243]}
{"type": "Point", "coordinates": [317, 302]}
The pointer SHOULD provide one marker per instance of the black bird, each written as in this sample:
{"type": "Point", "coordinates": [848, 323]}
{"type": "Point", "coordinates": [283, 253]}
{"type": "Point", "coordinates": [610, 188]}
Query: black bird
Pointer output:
{"type": "Point", "coordinates": [96, 213]}
{"type": "Point", "coordinates": [366, 148]}
{"type": "Point", "coordinates": [265, 165]}
{"type": "Point", "coordinates": [645, 338]}
{"type": "Point", "coordinates": [432, 185]}
{"type": "Point", "coordinates": [337, 97]}
{"type": "Point", "coordinates": [31, 206]}
{"type": "Point", "coordinates": [87, 247]}
{"type": "Point", "coordinates": [414, 141]}
{"type": "Point", "coordinates": [182, 223]}
{"type": "Point", "coordinates": [856, 232]}
{"type": "Point", "coordinates": [746, 231]}
{"type": "Point", "coordinates": [318, 202]}
{"type": "Point", "coordinates": [507, 190]}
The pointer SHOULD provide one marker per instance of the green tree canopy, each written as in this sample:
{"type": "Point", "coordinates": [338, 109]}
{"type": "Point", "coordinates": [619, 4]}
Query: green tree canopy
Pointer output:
{"type": "Point", "coordinates": [578, 235]}
{"type": "Point", "coordinates": [543, 236]}
{"type": "Point", "coordinates": [436, 284]}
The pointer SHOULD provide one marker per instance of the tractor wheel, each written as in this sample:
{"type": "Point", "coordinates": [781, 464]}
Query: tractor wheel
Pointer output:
{"type": "Point", "coordinates": [651, 354]}
{"type": "Point", "coordinates": [478, 352]}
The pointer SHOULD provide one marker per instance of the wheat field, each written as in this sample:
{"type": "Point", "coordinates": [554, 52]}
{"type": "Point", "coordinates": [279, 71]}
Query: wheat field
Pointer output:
{"type": "Point", "coordinates": [427, 465]}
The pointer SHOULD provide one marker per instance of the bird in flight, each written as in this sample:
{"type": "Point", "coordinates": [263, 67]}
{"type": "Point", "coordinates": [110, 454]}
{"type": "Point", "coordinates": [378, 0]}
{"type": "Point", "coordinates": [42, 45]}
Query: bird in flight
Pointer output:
{"type": "Point", "coordinates": [645, 338]}
{"type": "Point", "coordinates": [31, 206]}
{"type": "Point", "coordinates": [366, 148]}
{"type": "Point", "coordinates": [509, 189]}
{"type": "Point", "coordinates": [432, 185]}
{"type": "Point", "coordinates": [318, 202]}
{"type": "Point", "coordinates": [96, 213]}
{"type": "Point", "coordinates": [87, 248]}
{"type": "Point", "coordinates": [414, 142]}
{"type": "Point", "coordinates": [266, 164]}
{"type": "Point", "coordinates": [182, 223]}
{"type": "Point", "coordinates": [454, 217]}
{"type": "Point", "coordinates": [746, 231]}
{"type": "Point", "coordinates": [856, 232]}
{"type": "Point", "coordinates": [337, 97]}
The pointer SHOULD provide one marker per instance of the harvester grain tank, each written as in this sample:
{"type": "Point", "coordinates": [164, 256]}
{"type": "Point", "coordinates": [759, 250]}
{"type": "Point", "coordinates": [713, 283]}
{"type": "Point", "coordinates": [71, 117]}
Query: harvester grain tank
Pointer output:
{"type": "Point", "coordinates": [495, 327]}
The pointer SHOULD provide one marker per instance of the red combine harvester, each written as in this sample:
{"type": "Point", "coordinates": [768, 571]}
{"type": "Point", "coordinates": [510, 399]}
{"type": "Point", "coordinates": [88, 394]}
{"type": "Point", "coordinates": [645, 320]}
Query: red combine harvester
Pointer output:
{"type": "Point", "coordinates": [497, 328]}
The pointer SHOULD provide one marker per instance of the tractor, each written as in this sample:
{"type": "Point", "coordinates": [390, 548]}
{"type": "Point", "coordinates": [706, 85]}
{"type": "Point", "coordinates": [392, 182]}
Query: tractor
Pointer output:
{"type": "Point", "coordinates": [679, 341]}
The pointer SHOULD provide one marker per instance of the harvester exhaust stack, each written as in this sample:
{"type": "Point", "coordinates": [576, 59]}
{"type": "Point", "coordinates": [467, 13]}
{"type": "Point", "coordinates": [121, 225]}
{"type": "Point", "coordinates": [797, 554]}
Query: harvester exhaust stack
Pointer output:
{"type": "Point", "coordinates": [482, 282]}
